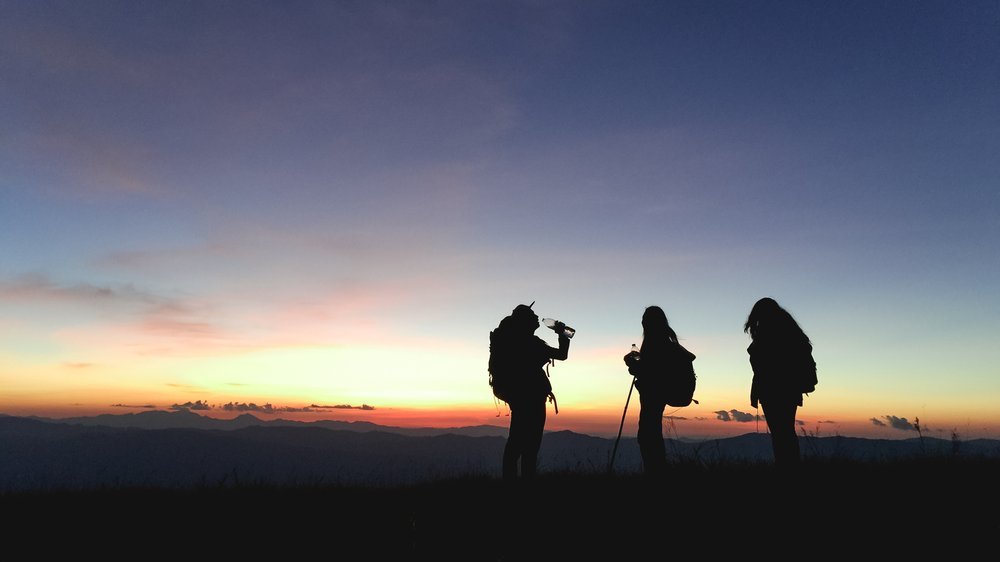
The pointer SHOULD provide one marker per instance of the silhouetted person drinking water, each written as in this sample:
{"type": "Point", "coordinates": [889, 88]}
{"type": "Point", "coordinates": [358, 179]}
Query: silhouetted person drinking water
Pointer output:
{"type": "Point", "coordinates": [517, 358]}
{"type": "Point", "coordinates": [783, 369]}
{"type": "Point", "coordinates": [658, 357]}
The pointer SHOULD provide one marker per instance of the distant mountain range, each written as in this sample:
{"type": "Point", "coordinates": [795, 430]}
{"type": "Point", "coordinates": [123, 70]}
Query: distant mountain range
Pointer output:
{"type": "Point", "coordinates": [186, 419]}
{"type": "Point", "coordinates": [183, 449]}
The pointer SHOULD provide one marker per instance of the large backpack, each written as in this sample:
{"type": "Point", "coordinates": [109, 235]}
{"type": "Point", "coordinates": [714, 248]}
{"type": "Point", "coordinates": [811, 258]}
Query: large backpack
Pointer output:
{"type": "Point", "coordinates": [516, 364]}
{"type": "Point", "coordinates": [502, 364]}
{"type": "Point", "coordinates": [678, 388]}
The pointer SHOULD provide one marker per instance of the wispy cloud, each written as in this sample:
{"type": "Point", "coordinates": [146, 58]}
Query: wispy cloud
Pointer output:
{"type": "Point", "coordinates": [36, 287]}
{"type": "Point", "coordinates": [165, 259]}
{"type": "Point", "coordinates": [72, 365]}
{"type": "Point", "coordinates": [143, 311]}
{"type": "Point", "coordinates": [186, 387]}
{"type": "Point", "coordinates": [356, 80]}
{"type": "Point", "coordinates": [877, 422]}
{"type": "Point", "coordinates": [180, 322]}
{"type": "Point", "coordinates": [144, 406]}
{"type": "Point", "coordinates": [341, 294]}
{"type": "Point", "coordinates": [83, 149]}
{"type": "Point", "coordinates": [135, 320]}
{"type": "Point", "coordinates": [99, 161]}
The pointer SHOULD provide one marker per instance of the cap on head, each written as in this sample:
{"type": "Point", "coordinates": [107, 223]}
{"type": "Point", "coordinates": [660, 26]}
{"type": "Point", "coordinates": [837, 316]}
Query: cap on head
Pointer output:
{"type": "Point", "coordinates": [524, 310]}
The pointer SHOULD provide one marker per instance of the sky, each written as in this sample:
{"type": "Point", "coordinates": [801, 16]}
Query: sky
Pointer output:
{"type": "Point", "coordinates": [288, 206]}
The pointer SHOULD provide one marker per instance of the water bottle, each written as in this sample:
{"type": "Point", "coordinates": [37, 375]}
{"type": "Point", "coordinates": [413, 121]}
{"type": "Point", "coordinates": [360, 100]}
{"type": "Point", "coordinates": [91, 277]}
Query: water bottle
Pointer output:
{"type": "Point", "coordinates": [551, 324]}
{"type": "Point", "coordinates": [632, 359]}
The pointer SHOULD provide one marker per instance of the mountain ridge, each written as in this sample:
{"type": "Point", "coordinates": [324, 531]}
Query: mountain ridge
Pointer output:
{"type": "Point", "coordinates": [163, 419]}
{"type": "Point", "coordinates": [42, 455]}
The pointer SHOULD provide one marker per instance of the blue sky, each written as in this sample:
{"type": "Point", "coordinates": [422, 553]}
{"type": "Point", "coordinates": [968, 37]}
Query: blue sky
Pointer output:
{"type": "Point", "coordinates": [254, 177]}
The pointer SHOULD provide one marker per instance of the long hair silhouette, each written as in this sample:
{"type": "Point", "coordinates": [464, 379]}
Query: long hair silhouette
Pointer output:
{"type": "Point", "coordinates": [783, 369]}
{"type": "Point", "coordinates": [768, 321]}
{"type": "Point", "coordinates": [656, 364]}
{"type": "Point", "coordinates": [655, 327]}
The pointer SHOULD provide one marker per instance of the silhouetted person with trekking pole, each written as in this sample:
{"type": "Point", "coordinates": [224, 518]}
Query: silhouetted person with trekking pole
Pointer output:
{"type": "Point", "coordinates": [783, 369]}
{"type": "Point", "coordinates": [517, 358]}
{"type": "Point", "coordinates": [654, 366]}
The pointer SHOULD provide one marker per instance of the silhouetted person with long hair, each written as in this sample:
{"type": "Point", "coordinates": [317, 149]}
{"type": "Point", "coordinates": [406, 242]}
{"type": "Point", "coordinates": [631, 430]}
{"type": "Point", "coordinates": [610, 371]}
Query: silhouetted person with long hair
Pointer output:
{"type": "Point", "coordinates": [659, 355]}
{"type": "Point", "coordinates": [517, 358]}
{"type": "Point", "coordinates": [783, 369]}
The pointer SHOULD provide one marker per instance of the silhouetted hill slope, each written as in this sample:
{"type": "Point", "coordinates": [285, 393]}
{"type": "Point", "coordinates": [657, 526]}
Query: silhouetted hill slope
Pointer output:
{"type": "Point", "coordinates": [884, 510]}
{"type": "Point", "coordinates": [747, 446]}
{"type": "Point", "coordinates": [46, 455]}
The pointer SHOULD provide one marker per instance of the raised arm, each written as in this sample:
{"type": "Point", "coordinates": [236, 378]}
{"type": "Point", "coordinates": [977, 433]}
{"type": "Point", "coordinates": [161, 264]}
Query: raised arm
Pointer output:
{"type": "Point", "coordinates": [563, 352]}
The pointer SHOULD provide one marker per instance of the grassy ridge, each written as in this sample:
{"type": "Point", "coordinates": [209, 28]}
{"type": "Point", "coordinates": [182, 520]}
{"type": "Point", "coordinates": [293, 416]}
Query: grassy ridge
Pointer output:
{"type": "Point", "coordinates": [905, 505]}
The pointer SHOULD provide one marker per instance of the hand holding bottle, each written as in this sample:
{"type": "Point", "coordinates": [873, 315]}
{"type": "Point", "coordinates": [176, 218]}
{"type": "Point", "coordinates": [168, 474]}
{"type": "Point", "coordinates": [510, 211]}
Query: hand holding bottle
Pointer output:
{"type": "Point", "coordinates": [632, 357]}
{"type": "Point", "coordinates": [559, 327]}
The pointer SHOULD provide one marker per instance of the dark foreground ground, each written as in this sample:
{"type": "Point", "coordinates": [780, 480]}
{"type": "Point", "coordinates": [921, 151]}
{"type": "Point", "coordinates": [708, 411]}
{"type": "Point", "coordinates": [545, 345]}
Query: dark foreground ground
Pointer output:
{"type": "Point", "coordinates": [863, 509]}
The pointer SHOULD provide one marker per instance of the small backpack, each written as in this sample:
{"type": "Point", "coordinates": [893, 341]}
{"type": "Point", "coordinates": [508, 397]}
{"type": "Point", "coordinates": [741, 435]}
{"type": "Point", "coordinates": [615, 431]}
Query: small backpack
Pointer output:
{"type": "Point", "coordinates": [807, 372]}
{"type": "Point", "coordinates": [679, 385]}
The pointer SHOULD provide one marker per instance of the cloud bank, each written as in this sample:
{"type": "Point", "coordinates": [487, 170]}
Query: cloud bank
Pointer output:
{"type": "Point", "coordinates": [196, 405]}
{"type": "Point", "coordinates": [733, 415]}
{"type": "Point", "coordinates": [894, 422]}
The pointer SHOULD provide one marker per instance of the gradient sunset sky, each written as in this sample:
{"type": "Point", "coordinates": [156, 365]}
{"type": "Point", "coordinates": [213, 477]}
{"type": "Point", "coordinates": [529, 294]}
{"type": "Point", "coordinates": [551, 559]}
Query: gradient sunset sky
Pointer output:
{"type": "Point", "coordinates": [333, 203]}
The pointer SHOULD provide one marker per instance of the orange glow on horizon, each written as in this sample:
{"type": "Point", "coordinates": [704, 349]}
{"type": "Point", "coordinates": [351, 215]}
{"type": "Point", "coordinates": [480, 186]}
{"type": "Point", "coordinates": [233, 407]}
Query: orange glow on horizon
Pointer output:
{"type": "Point", "coordinates": [602, 422]}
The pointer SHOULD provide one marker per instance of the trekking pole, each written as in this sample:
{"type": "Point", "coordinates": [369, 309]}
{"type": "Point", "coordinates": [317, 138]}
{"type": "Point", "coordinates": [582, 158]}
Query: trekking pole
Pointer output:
{"type": "Point", "coordinates": [614, 452]}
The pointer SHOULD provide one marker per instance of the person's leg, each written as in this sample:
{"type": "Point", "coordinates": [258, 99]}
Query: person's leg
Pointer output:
{"type": "Point", "coordinates": [650, 436]}
{"type": "Point", "coordinates": [532, 437]}
{"type": "Point", "coordinates": [780, 417]}
{"type": "Point", "coordinates": [515, 443]}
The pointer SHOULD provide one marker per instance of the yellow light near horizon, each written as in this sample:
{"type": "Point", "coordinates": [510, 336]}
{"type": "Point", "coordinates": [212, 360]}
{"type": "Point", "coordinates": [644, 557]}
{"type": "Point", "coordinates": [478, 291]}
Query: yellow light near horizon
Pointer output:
{"type": "Point", "coordinates": [433, 379]}
{"type": "Point", "coordinates": [404, 376]}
